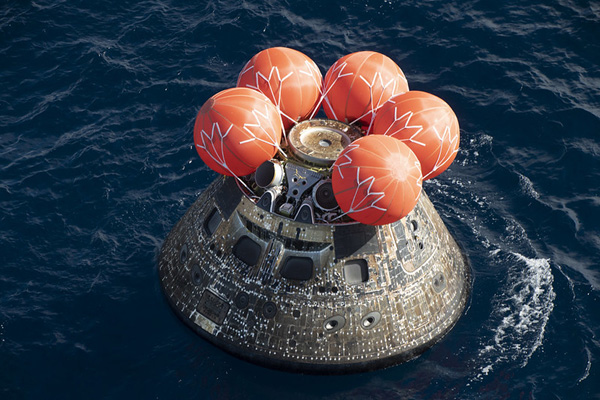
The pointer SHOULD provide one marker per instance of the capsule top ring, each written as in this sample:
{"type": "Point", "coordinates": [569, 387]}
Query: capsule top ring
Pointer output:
{"type": "Point", "coordinates": [320, 141]}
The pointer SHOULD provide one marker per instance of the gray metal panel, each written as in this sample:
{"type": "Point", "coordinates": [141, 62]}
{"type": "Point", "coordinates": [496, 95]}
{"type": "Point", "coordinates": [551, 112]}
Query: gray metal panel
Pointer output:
{"type": "Point", "coordinates": [355, 239]}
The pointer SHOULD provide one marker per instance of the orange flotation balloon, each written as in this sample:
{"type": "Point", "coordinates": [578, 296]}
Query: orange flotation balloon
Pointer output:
{"type": "Point", "coordinates": [426, 124]}
{"type": "Point", "coordinates": [377, 180]}
{"type": "Point", "coordinates": [290, 79]}
{"type": "Point", "coordinates": [236, 130]}
{"type": "Point", "coordinates": [358, 84]}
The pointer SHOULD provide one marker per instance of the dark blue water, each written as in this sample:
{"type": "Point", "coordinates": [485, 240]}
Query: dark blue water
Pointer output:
{"type": "Point", "coordinates": [97, 104]}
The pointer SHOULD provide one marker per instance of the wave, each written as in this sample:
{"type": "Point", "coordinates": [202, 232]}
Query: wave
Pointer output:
{"type": "Point", "coordinates": [521, 310]}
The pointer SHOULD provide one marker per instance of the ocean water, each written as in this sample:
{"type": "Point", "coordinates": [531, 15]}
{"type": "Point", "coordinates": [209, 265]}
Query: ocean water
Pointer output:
{"type": "Point", "coordinates": [97, 105]}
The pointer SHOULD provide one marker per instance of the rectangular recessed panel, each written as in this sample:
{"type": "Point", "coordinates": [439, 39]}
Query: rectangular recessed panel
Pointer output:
{"type": "Point", "coordinates": [355, 239]}
{"type": "Point", "coordinates": [297, 268]}
{"type": "Point", "coordinates": [247, 250]}
{"type": "Point", "coordinates": [356, 271]}
{"type": "Point", "coordinates": [213, 307]}
{"type": "Point", "coordinates": [213, 221]}
{"type": "Point", "coordinates": [229, 197]}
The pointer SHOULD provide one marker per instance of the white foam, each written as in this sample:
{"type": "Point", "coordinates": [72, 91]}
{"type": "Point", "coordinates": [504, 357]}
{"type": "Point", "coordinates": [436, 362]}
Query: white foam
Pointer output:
{"type": "Point", "coordinates": [527, 186]}
{"type": "Point", "coordinates": [588, 366]}
{"type": "Point", "coordinates": [521, 311]}
{"type": "Point", "coordinates": [495, 252]}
